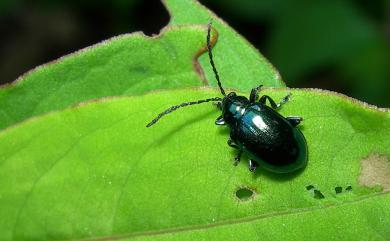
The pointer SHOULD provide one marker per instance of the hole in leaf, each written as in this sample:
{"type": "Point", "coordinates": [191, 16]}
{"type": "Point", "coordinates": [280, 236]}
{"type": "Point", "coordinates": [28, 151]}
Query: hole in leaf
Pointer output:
{"type": "Point", "coordinates": [318, 194]}
{"type": "Point", "coordinates": [338, 190]}
{"type": "Point", "coordinates": [349, 188]}
{"type": "Point", "coordinates": [309, 187]}
{"type": "Point", "coordinates": [244, 194]}
{"type": "Point", "coordinates": [148, 16]}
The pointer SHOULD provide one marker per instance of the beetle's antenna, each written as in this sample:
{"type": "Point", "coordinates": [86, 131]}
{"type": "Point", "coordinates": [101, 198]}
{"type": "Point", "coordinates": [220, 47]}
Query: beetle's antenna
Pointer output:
{"type": "Point", "coordinates": [211, 59]}
{"type": "Point", "coordinates": [175, 107]}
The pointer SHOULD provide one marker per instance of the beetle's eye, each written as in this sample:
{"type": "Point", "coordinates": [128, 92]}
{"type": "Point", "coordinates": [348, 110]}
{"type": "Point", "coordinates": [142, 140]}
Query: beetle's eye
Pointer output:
{"type": "Point", "coordinates": [231, 94]}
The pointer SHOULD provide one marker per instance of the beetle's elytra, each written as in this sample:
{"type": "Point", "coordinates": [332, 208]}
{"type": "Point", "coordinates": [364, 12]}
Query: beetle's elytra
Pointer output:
{"type": "Point", "coordinates": [269, 139]}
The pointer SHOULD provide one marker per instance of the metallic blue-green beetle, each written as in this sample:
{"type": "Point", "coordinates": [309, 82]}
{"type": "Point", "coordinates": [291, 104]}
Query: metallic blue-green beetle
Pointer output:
{"type": "Point", "coordinates": [269, 139]}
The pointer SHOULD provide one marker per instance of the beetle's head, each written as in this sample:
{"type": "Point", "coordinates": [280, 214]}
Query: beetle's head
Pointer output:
{"type": "Point", "coordinates": [233, 107]}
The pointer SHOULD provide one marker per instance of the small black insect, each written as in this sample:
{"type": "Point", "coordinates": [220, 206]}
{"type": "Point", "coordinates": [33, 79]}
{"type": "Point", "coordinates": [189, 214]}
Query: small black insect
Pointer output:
{"type": "Point", "coordinates": [269, 139]}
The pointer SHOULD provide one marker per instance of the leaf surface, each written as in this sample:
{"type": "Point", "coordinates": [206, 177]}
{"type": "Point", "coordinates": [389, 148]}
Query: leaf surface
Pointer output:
{"type": "Point", "coordinates": [125, 65]}
{"type": "Point", "coordinates": [94, 171]}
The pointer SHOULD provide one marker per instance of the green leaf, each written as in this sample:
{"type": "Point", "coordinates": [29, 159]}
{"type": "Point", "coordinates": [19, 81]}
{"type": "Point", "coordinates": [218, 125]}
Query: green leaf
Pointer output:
{"type": "Point", "coordinates": [240, 65]}
{"type": "Point", "coordinates": [124, 65]}
{"type": "Point", "coordinates": [95, 171]}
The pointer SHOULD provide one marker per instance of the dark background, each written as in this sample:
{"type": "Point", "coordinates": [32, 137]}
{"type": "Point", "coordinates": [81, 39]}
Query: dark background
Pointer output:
{"type": "Point", "coordinates": [338, 45]}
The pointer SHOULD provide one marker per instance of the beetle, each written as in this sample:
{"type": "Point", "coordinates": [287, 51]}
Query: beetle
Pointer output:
{"type": "Point", "coordinates": [270, 140]}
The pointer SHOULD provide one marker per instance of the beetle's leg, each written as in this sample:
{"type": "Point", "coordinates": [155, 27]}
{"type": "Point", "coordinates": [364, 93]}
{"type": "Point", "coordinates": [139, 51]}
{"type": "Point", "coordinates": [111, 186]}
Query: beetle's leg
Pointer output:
{"type": "Point", "coordinates": [237, 159]}
{"type": "Point", "coordinates": [254, 94]}
{"type": "Point", "coordinates": [220, 121]}
{"type": "Point", "coordinates": [252, 165]}
{"type": "Point", "coordinates": [234, 145]}
{"type": "Point", "coordinates": [231, 143]}
{"type": "Point", "coordinates": [294, 120]}
{"type": "Point", "coordinates": [284, 100]}
{"type": "Point", "coordinates": [272, 102]}
{"type": "Point", "coordinates": [264, 98]}
{"type": "Point", "coordinates": [218, 104]}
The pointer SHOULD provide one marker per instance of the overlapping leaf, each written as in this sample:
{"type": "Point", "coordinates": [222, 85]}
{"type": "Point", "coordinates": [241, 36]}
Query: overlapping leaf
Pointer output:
{"type": "Point", "coordinates": [125, 65]}
{"type": "Point", "coordinates": [134, 63]}
{"type": "Point", "coordinates": [241, 66]}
